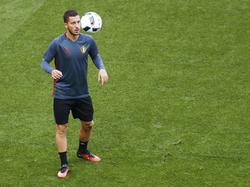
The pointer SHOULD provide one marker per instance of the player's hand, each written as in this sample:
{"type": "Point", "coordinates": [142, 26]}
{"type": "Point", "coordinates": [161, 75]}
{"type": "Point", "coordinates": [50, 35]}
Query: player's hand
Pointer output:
{"type": "Point", "coordinates": [103, 76]}
{"type": "Point", "coordinates": [56, 74]}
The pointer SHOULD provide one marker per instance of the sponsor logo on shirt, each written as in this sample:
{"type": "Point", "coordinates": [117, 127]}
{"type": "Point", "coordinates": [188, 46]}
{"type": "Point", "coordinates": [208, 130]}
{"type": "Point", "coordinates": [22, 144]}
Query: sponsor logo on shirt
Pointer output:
{"type": "Point", "coordinates": [66, 50]}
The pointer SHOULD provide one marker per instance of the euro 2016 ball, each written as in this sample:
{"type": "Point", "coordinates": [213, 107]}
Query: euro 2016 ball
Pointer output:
{"type": "Point", "coordinates": [91, 22]}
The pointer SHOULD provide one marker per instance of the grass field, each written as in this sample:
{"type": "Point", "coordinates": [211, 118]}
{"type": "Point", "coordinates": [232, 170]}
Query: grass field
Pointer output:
{"type": "Point", "coordinates": [176, 111]}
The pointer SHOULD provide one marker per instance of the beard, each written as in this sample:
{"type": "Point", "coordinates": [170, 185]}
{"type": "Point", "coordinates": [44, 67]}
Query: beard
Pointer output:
{"type": "Point", "coordinates": [73, 33]}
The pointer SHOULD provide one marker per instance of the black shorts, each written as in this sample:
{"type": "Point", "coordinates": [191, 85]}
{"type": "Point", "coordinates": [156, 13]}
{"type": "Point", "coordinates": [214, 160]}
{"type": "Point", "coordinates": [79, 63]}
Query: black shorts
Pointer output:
{"type": "Point", "coordinates": [81, 108]}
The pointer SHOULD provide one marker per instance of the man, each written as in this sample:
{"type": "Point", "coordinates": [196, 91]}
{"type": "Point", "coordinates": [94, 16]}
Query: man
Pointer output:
{"type": "Point", "coordinates": [70, 52]}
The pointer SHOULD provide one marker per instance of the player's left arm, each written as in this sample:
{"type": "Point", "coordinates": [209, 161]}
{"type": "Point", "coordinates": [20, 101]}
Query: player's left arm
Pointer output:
{"type": "Point", "coordinates": [97, 60]}
{"type": "Point", "coordinates": [103, 76]}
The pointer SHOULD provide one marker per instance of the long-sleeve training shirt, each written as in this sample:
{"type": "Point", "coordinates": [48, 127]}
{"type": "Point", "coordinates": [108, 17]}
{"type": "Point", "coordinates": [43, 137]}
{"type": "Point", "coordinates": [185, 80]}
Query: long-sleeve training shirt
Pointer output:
{"type": "Point", "coordinates": [71, 58]}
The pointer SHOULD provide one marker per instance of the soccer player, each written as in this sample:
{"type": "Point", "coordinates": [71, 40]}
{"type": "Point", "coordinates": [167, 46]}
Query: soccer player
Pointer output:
{"type": "Point", "coordinates": [70, 53]}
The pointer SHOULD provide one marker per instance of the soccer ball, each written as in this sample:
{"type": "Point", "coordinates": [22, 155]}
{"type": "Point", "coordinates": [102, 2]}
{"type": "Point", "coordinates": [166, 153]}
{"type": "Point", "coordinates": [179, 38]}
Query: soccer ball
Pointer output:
{"type": "Point", "coordinates": [91, 22]}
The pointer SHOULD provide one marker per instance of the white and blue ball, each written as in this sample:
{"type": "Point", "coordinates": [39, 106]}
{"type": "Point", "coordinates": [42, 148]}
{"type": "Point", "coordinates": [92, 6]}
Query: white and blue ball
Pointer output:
{"type": "Point", "coordinates": [91, 22]}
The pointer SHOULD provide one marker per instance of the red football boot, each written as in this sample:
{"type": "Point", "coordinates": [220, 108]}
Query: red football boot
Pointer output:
{"type": "Point", "coordinates": [88, 156]}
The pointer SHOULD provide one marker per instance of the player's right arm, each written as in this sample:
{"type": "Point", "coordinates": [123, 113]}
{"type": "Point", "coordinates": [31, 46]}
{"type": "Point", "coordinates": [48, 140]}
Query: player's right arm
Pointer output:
{"type": "Point", "coordinates": [47, 58]}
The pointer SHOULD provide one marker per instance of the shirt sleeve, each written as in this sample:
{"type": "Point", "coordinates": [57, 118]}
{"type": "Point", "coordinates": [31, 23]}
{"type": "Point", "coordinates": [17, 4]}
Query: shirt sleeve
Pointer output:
{"type": "Point", "coordinates": [95, 56]}
{"type": "Point", "coordinates": [45, 66]}
{"type": "Point", "coordinates": [48, 57]}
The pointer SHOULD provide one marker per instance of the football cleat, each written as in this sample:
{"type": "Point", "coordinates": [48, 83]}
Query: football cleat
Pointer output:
{"type": "Point", "coordinates": [63, 172]}
{"type": "Point", "coordinates": [88, 156]}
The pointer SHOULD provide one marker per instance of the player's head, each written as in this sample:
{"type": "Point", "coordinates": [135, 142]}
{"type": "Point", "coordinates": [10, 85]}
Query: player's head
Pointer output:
{"type": "Point", "coordinates": [69, 13]}
{"type": "Point", "coordinates": [72, 22]}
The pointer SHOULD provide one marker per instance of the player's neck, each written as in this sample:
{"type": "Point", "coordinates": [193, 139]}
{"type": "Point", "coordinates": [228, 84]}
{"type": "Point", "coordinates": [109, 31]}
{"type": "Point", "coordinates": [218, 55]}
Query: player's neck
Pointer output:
{"type": "Point", "coordinates": [71, 36]}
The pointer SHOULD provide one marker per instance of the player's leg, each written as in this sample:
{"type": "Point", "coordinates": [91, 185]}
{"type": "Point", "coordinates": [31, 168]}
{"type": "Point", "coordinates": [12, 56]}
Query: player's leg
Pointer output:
{"type": "Point", "coordinates": [85, 130]}
{"type": "Point", "coordinates": [61, 142]}
{"type": "Point", "coordinates": [61, 113]}
{"type": "Point", "coordinates": [61, 137]}
{"type": "Point", "coordinates": [84, 111]}
{"type": "Point", "coordinates": [84, 136]}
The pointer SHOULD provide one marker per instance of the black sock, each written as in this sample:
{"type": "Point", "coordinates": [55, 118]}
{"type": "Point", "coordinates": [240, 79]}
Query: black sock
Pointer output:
{"type": "Point", "coordinates": [83, 146]}
{"type": "Point", "coordinates": [63, 158]}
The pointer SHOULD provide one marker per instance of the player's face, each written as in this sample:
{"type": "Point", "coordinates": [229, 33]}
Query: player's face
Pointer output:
{"type": "Point", "coordinates": [73, 25]}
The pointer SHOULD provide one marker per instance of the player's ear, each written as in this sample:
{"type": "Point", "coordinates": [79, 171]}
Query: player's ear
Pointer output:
{"type": "Point", "coordinates": [66, 25]}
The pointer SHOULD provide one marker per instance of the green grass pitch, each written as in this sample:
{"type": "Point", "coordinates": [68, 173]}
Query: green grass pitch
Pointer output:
{"type": "Point", "coordinates": [176, 111]}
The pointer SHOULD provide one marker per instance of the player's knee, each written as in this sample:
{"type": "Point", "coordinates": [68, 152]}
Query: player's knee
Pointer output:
{"type": "Point", "coordinates": [61, 129]}
{"type": "Point", "coordinates": [88, 125]}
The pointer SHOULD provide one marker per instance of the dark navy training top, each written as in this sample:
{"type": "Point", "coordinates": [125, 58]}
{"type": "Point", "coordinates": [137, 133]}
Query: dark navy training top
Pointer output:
{"type": "Point", "coordinates": [71, 58]}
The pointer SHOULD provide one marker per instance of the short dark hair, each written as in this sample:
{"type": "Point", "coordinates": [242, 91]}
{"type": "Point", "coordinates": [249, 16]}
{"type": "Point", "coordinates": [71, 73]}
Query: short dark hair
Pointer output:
{"type": "Point", "coordinates": [69, 13]}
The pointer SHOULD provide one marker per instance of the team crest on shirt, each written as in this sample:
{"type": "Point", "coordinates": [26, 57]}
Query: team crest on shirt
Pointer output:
{"type": "Point", "coordinates": [83, 49]}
